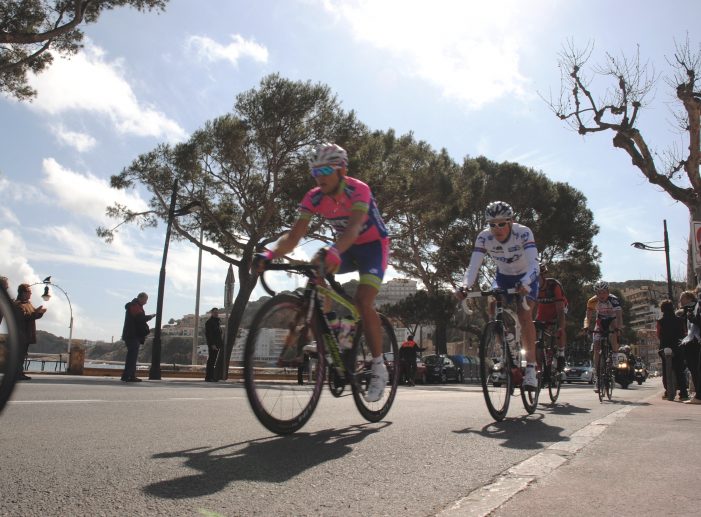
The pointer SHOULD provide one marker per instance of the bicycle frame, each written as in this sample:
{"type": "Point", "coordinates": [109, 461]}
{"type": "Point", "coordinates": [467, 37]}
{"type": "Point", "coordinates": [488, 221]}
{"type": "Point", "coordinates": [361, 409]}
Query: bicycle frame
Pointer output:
{"type": "Point", "coordinates": [314, 294]}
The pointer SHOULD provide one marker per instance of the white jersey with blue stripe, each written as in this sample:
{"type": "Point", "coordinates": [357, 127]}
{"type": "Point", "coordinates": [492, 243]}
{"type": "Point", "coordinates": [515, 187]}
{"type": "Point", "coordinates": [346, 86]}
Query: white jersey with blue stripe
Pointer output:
{"type": "Point", "coordinates": [518, 255]}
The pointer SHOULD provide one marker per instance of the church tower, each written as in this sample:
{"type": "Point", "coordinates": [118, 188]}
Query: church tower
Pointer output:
{"type": "Point", "coordinates": [229, 290]}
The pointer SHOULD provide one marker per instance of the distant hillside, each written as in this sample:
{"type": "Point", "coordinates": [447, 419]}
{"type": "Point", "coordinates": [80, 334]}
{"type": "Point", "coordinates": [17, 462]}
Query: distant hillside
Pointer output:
{"type": "Point", "coordinates": [634, 284]}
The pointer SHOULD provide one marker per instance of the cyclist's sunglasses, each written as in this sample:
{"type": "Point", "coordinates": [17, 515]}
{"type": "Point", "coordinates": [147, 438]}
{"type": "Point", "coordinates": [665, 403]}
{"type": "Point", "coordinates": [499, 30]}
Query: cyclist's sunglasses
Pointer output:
{"type": "Point", "coordinates": [499, 225]}
{"type": "Point", "coordinates": [324, 170]}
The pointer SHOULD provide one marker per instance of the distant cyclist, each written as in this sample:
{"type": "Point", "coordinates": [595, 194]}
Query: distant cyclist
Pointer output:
{"type": "Point", "coordinates": [512, 247]}
{"type": "Point", "coordinates": [552, 308]}
{"type": "Point", "coordinates": [361, 242]}
{"type": "Point", "coordinates": [603, 304]}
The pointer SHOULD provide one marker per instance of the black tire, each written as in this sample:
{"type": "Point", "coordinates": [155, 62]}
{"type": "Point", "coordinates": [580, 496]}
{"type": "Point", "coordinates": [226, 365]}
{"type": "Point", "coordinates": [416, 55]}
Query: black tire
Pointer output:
{"type": "Point", "coordinates": [600, 376]}
{"type": "Point", "coordinates": [640, 382]}
{"type": "Point", "coordinates": [9, 348]}
{"type": "Point", "coordinates": [555, 384]}
{"type": "Point", "coordinates": [444, 378]}
{"type": "Point", "coordinates": [496, 394]}
{"type": "Point", "coordinates": [609, 380]}
{"type": "Point", "coordinates": [374, 411]}
{"type": "Point", "coordinates": [278, 401]}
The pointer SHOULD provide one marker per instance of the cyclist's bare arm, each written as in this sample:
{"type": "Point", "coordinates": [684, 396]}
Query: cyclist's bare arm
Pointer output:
{"type": "Point", "coordinates": [289, 241]}
{"type": "Point", "coordinates": [350, 234]}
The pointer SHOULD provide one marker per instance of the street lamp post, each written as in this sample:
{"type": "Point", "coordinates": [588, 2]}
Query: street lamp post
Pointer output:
{"type": "Point", "coordinates": [665, 248]}
{"type": "Point", "coordinates": [46, 296]}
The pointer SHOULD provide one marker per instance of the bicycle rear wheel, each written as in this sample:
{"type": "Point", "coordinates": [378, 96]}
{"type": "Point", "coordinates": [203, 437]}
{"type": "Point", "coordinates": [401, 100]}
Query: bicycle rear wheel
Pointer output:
{"type": "Point", "coordinates": [276, 342]}
{"type": "Point", "coordinates": [362, 360]}
{"type": "Point", "coordinates": [495, 370]}
{"type": "Point", "coordinates": [554, 381]}
{"type": "Point", "coordinates": [9, 347]}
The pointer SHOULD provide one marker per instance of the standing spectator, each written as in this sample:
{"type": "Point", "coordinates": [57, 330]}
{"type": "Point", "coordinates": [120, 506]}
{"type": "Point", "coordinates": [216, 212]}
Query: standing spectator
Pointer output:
{"type": "Point", "coordinates": [134, 334]}
{"type": "Point", "coordinates": [215, 341]}
{"type": "Point", "coordinates": [691, 343]}
{"type": "Point", "coordinates": [28, 314]}
{"type": "Point", "coordinates": [670, 331]}
{"type": "Point", "coordinates": [407, 355]}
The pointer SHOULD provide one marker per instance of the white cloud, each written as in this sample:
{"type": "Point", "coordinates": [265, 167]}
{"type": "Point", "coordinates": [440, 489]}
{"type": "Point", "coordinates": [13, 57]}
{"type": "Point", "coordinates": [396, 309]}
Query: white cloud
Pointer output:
{"type": "Point", "coordinates": [81, 142]}
{"type": "Point", "coordinates": [88, 82]}
{"type": "Point", "coordinates": [86, 195]}
{"type": "Point", "coordinates": [209, 50]}
{"type": "Point", "coordinates": [469, 50]}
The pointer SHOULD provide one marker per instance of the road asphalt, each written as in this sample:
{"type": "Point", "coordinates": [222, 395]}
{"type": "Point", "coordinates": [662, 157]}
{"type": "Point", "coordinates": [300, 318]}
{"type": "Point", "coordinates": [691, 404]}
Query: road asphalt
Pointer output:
{"type": "Point", "coordinates": [644, 459]}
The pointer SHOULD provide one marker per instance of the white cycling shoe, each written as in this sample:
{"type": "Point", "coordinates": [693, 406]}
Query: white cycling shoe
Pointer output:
{"type": "Point", "coordinates": [378, 381]}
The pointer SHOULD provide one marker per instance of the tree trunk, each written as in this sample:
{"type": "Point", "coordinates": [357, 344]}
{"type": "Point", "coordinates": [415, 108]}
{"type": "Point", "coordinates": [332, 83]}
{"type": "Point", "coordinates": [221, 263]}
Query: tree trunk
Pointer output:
{"type": "Point", "coordinates": [246, 285]}
{"type": "Point", "coordinates": [694, 276]}
{"type": "Point", "coordinates": [440, 337]}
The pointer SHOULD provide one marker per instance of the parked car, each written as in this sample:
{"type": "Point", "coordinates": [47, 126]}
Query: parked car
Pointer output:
{"type": "Point", "coordinates": [441, 368]}
{"type": "Point", "coordinates": [579, 371]}
{"type": "Point", "coordinates": [461, 362]}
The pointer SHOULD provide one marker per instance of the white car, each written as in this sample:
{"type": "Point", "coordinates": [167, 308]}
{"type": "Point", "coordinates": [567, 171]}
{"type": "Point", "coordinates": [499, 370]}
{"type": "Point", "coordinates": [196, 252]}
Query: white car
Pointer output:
{"type": "Point", "coordinates": [579, 371]}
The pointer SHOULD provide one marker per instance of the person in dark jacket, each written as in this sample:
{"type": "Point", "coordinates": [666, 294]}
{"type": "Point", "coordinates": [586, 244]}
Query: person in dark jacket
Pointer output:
{"type": "Point", "coordinates": [407, 354]}
{"type": "Point", "coordinates": [215, 342]}
{"type": "Point", "coordinates": [134, 334]}
{"type": "Point", "coordinates": [27, 315]}
{"type": "Point", "coordinates": [691, 344]}
{"type": "Point", "coordinates": [670, 331]}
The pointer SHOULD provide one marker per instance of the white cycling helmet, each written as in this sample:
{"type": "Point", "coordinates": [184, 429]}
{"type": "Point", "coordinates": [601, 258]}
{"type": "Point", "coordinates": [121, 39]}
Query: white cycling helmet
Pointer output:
{"type": "Point", "coordinates": [498, 210]}
{"type": "Point", "coordinates": [329, 154]}
{"type": "Point", "coordinates": [601, 286]}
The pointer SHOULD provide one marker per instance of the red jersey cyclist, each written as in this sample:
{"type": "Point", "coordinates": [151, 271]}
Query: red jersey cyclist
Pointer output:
{"type": "Point", "coordinates": [552, 307]}
{"type": "Point", "coordinates": [361, 242]}
{"type": "Point", "coordinates": [603, 305]}
{"type": "Point", "coordinates": [512, 247]}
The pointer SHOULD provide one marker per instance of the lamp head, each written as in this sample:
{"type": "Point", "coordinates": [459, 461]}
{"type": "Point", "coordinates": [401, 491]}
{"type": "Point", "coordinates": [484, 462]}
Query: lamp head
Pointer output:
{"type": "Point", "coordinates": [638, 245]}
{"type": "Point", "coordinates": [46, 296]}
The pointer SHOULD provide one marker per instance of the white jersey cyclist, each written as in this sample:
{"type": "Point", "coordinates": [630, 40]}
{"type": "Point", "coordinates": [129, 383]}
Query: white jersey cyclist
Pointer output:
{"type": "Point", "coordinates": [517, 256]}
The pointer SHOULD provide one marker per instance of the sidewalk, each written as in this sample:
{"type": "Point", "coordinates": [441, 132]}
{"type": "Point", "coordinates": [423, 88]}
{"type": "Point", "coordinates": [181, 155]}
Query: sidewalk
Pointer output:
{"type": "Point", "coordinates": [646, 462]}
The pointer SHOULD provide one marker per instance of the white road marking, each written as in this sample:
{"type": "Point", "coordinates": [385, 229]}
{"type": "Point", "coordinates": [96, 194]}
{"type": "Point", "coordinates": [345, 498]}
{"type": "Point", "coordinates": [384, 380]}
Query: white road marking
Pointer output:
{"type": "Point", "coordinates": [484, 500]}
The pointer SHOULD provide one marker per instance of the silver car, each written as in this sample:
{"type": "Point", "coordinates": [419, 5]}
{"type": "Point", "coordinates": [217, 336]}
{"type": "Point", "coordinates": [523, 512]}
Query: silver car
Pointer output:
{"type": "Point", "coordinates": [579, 371]}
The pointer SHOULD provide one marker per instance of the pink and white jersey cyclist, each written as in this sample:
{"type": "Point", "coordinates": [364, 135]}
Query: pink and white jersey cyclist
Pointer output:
{"type": "Point", "coordinates": [353, 196]}
{"type": "Point", "coordinates": [361, 242]}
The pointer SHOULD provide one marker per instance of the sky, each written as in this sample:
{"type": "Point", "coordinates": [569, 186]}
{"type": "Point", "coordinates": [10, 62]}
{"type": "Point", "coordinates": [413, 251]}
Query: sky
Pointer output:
{"type": "Point", "coordinates": [467, 76]}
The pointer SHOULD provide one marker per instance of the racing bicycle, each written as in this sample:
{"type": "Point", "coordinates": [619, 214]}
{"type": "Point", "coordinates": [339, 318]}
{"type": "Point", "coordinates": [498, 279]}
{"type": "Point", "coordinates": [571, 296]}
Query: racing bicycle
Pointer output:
{"type": "Point", "coordinates": [500, 357]}
{"type": "Point", "coordinates": [9, 347]}
{"type": "Point", "coordinates": [604, 368]}
{"type": "Point", "coordinates": [292, 324]}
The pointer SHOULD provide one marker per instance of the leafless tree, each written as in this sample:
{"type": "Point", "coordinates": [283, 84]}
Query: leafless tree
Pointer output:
{"type": "Point", "coordinates": [609, 97]}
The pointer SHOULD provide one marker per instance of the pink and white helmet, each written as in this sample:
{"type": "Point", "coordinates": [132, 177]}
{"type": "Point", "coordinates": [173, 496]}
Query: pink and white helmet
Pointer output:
{"type": "Point", "coordinates": [329, 154]}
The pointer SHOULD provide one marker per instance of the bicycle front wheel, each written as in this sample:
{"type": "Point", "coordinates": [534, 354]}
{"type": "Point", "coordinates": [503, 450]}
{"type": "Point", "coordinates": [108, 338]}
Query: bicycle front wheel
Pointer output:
{"type": "Point", "coordinates": [9, 347]}
{"type": "Point", "coordinates": [495, 373]}
{"type": "Point", "coordinates": [601, 376]}
{"type": "Point", "coordinates": [610, 381]}
{"type": "Point", "coordinates": [362, 361]}
{"type": "Point", "coordinates": [282, 397]}
{"type": "Point", "coordinates": [530, 397]}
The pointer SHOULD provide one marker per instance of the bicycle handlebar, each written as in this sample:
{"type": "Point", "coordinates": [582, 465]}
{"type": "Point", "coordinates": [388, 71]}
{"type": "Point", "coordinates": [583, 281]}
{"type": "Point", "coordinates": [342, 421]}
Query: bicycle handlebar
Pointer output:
{"type": "Point", "coordinates": [498, 291]}
{"type": "Point", "coordinates": [309, 270]}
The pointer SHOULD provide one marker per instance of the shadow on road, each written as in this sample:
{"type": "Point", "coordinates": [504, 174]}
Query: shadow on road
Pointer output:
{"type": "Point", "coordinates": [525, 432]}
{"type": "Point", "coordinates": [275, 460]}
{"type": "Point", "coordinates": [564, 409]}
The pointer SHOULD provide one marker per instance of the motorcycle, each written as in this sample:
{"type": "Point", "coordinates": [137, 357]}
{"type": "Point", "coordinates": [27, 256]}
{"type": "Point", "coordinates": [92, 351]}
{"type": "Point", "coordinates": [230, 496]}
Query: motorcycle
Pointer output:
{"type": "Point", "coordinates": [641, 373]}
{"type": "Point", "coordinates": [624, 372]}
